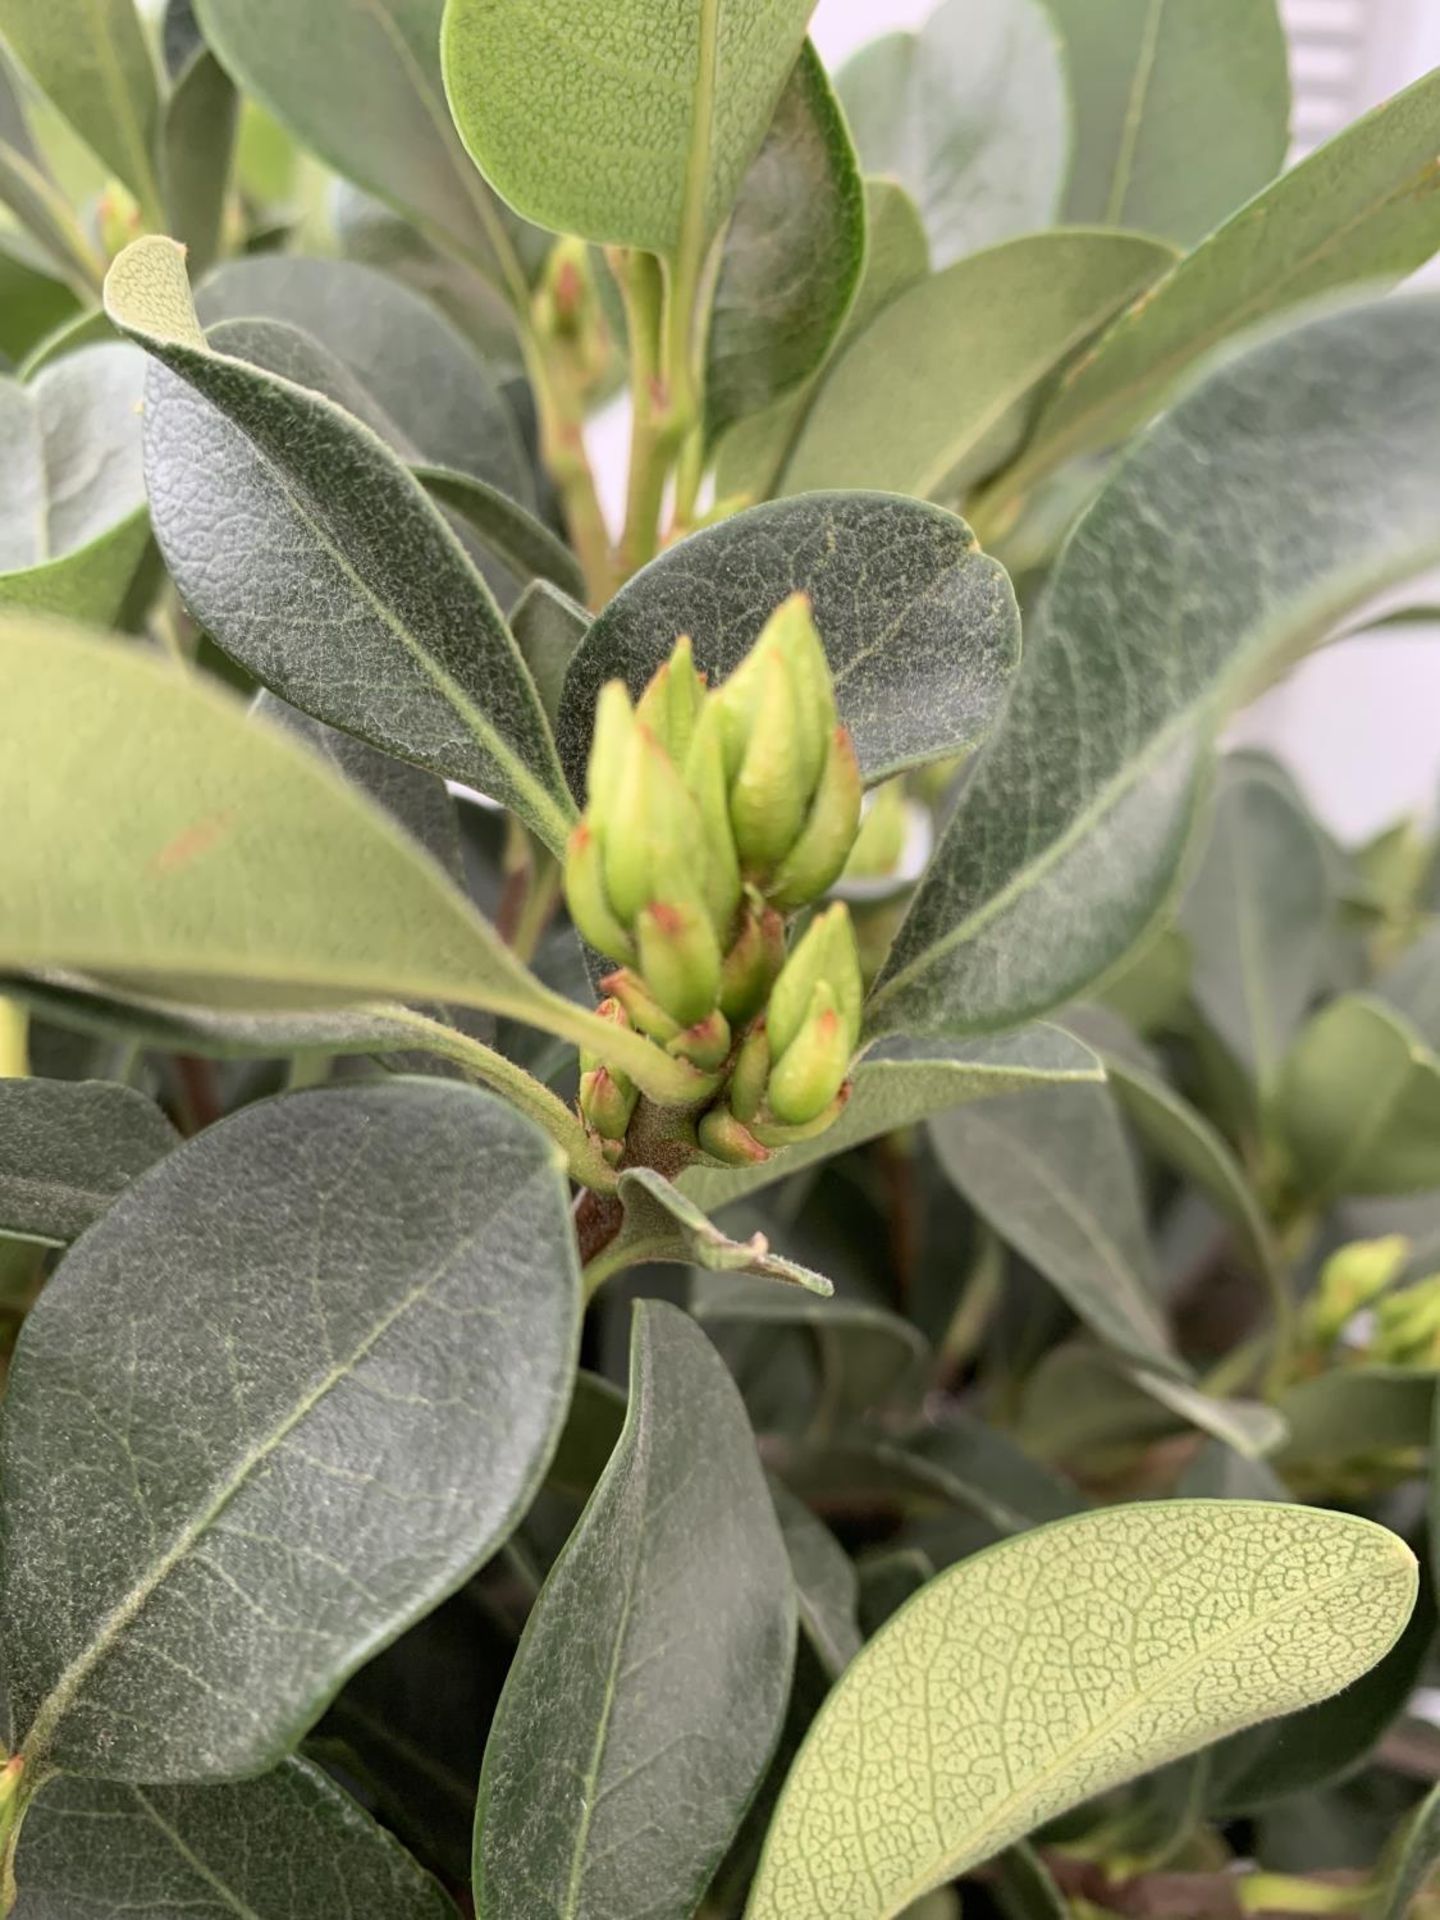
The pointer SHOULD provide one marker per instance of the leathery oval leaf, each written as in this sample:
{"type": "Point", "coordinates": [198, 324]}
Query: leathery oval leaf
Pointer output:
{"type": "Point", "coordinates": [650, 1685]}
{"type": "Point", "coordinates": [1058, 1664]}
{"type": "Point", "coordinates": [291, 1390]}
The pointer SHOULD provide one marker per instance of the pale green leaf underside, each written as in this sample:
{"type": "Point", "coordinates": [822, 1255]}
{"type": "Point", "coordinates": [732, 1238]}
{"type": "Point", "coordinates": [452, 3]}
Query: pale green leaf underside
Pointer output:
{"type": "Point", "coordinates": [964, 1724]}
{"type": "Point", "coordinates": [359, 82]}
{"type": "Point", "coordinates": [650, 116]}
{"type": "Point", "coordinates": [287, 1393]}
{"type": "Point", "coordinates": [649, 1687]}
{"type": "Point", "coordinates": [164, 839]}
{"type": "Point", "coordinates": [971, 115]}
{"type": "Point", "coordinates": [1181, 110]}
{"type": "Point", "coordinates": [301, 543]}
{"type": "Point", "coordinates": [93, 60]}
{"type": "Point", "coordinates": [1362, 208]}
{"type": "Point", "coordinates": [1200, 567]}
{"type": "Point", "coordinates": [1359, 1102]}
{"type": "Point", "coordinates": [288, 1843]}
{"type": "Point", "coordinates": [926, 398]}
{"type": "Point", "coordinates": [72, 492]}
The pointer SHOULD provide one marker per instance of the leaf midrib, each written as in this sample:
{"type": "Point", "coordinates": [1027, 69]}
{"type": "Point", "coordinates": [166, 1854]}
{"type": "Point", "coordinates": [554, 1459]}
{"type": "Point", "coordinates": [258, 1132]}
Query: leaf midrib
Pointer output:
{"type": "Point", "coordinates": [1156, 373]}
{"type": "Point", "coordinates": [1135, 103]}
{"type": "Point", "coordinates": [977, 1844]}
{"type": "Point", "coordinates": [68, 1687]}
{"type": "Point", "coordinates": [1276, 636]}
{"type": "Point", "coordinates": [574, 1889]}
{"type": "Point", "coordinates": [192, 1860]}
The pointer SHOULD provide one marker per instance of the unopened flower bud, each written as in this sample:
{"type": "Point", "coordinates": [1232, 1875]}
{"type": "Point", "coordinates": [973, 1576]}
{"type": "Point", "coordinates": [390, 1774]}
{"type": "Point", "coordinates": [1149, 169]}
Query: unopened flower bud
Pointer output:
{"type": "Point", "coordinates": [706, 1044]}
{"type": "Point", "coordinates": [793, 785]}
{"type": "Point", "coordinates": [679, 958]}
{"type": "Point", "coordinates": [651, 836]}
{"type": "Point", "coordinates": [607, 1100]}
{"type": "Point", "coordinates": [812, 1069]}
{"type": "Point", "coordinates": [671, 703]}
{"type": "Point", "coordinates": [751, 966]}
{"type": "Point", "coordinates": [611, 1011]}
{"type": "Point", "coordinates": [705, 777]}
{"type": "Point", "coordinates": [587, 899]}
{"type": "Point", "coordinates": [776, 1134]}
{"type": "Point", "coordinates": [826, 952]}
{"type": "Point", "coordinates": [1351, 1279]}
{"type": "Point", "coordinates": [768, 794]}
{"type": "Point", "coordinates": [880, 843]}
{"type": "Point", "coordinates": [1407, 1326]}
{"type": "Point", "coordinates": [647, 1015]}
{"type": "Point", "coordinates": [750, 1074]}
{"type": "Point", "coordinates": [723, 1137]}
{"type": "Point", "coordinates": [818, 855]}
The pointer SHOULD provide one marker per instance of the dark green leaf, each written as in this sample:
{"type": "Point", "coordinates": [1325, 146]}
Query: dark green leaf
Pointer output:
{"type": "Point", "coordinates": [826, 1584]}
{"type": "Point", "coordinates": [1024, 1889]}
{"type": "Point", "coordinates": [548, 626]}
{"type": "Point", "coordinates": [342, 560]}
{"type": "Point", "coordinates": [1416, 1858]}
{"type": "Point", "coordinates": [1182, 1138]}
{"type": "Point", "coordinates": [792, 257]}
{"type": "Point", "coordinates": [1052, 1173]}
{"type": "Point", "coordinates": [514, 536]}
{"type": "Point", "coordinates": [67, 1148]}
{"type": "Point", "coordinates": [29, 189]}
{"type": "Point", "coordinates": [1257, 917]}
{"type": "Point", "coordinates": [408, 357]}
{"type": "Point", "coordinates": [1359, 1102]}
{"type": "Point", "coordinates": [1181, 110]}
{"type": "Point", "coordinates": [866, 1358]}
{"type": "Point", "coordinates": [290, 1843]}
{"type": "Point", "coordinates": [970, 115]}
{"type": "Point", "coordinates": [1353, 1412]}
{"type": "Point", "coordinates": [920, 627]}
{"type": "Point", "coordinates": [651, 1681]}
{"type": "Point", "coordinates": [337, 1373]}
{"type": "Point", "coordinates": [1202, 565]}
{"type": "Point", "coordinates": [893, 415]}
{"type": "Point", "coordinates": [1412, 986]}
{"type": "Point", "coordinates": [1365, 207]}
{"type": "Point", "coordinates": [198, 147]}
{"type": "Point", "coordinates": [72, 492]}
{"type": "Point", "coordinates": [359, 81]}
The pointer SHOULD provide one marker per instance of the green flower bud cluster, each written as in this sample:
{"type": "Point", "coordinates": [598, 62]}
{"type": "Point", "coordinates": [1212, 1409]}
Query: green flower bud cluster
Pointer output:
{"type": "Point", "coordinates": [788, 1081]}
{"type": "Point", "coordinates": [711, 815]}
{"type": "Point", "coordinates": [1352, 1279]}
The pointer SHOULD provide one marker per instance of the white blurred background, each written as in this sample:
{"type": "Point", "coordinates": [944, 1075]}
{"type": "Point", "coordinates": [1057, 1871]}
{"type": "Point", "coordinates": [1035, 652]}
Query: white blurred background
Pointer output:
{"type": "Point", "coordinates": [1359, 723]}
